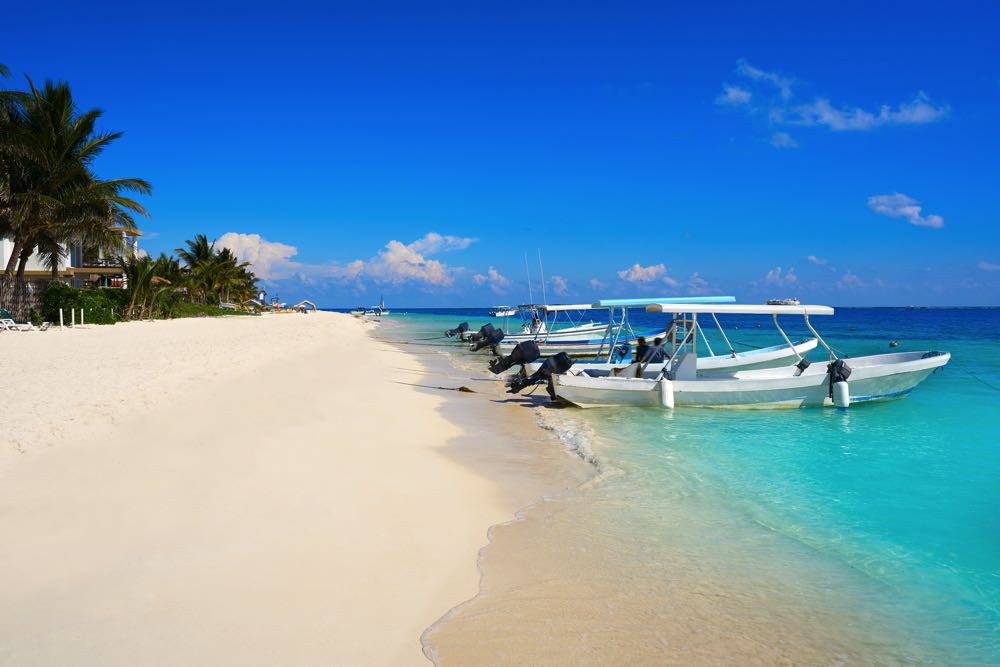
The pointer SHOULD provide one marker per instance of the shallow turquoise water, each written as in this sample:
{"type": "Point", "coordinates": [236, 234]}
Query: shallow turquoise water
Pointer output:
{"type": "Point", "coordinates": [904, 496]}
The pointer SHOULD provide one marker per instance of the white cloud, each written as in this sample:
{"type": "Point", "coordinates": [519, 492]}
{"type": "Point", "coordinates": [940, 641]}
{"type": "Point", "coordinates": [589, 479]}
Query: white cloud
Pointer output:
{"type": "Point", "coordinates": [642, 274]}
{"type": "Point", "coordinates": [783, 140]}
{"type": "Point", "coordinates": [820, 111]}
{"type": "Point", "coordinates": [988, 266]}
{"type": "Point", "coordinates": [775, 102]}
{"type": "Point", "coordinates": [850, 280]}
{"type": "Point", "coordinates": [398, 263]}
{"type": "Point", "coordinates": [498, 283]}
{"type": "Point", "coordinates": [733, 96]}
{"type": "Point", "coordinates": [898, 205]}
{"type": "Point", "coordinates": [395, 264]}
{"type": "Point", "coordinates": [433, 243]}
{"type": "Point", "coordinates": [818, 261]}
{"type": "Point", "coordinates": [698, 285]}
{"type": "Point", "coordinates": [596, 284]}
{"type": "Point", "coordinates": [783, 84]}
{"type": "Point", "coordinates": [271, 260]}
{"type": "Point", "coordinates": [781, 278]}
{"type": "Point", "coordinates": [559, 285]}
{"type": "Point", "coordinates": [670, 281]}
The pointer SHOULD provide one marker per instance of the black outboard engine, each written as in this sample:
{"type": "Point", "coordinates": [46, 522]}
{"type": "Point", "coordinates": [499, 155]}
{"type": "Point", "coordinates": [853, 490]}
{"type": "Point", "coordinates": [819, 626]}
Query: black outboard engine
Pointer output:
{"type": "Point", "coordinates": [554, 365]}
{"type": "Point", "coordinates": [482, 333]}
{"type": "Point", "coordinates": [457, 331]}
{"type": "Point", "coordinates": [523, 353]}
{"type": "Point", "coordinates": [491, 338]}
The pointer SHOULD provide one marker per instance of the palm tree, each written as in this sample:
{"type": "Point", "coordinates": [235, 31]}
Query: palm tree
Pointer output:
{"type": "Point", "coordinates": [48, 193]}
{"type": "Point", "coordinates": [149, 284]}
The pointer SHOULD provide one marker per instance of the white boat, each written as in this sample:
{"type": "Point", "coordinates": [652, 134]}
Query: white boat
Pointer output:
{"type": "Point", "coordinates": [503, 311]}
{"type": "Point", "coordinates": [783, 302]}
{"type": "Point", "coordinates": [577, 337]}
{"type": "Point", "coordinates": [543, 323]}
{"type": "Point", "coordinates": [765, 357]}
{"type": "Point", "coordinates": [604, 350]}
{"type": "Point", "coordinates": [842, 382]}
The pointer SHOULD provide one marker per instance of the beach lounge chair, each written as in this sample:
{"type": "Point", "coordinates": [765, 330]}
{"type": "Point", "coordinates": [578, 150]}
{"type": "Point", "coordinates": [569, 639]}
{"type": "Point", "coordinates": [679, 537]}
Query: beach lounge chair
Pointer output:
{"type": "Point", "coordinates": [11, 325]}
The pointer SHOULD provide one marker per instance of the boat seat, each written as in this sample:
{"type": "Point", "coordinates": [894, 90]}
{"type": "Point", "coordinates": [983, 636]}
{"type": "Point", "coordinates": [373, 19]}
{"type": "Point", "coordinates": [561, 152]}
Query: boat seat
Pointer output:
{"type": "Point", "coordinates": [630, 371]}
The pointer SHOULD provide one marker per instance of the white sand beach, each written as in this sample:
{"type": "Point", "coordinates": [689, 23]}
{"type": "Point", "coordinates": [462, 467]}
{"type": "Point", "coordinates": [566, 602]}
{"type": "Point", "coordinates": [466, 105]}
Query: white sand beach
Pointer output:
{"type": "Point", "coordinates": [233, 491]}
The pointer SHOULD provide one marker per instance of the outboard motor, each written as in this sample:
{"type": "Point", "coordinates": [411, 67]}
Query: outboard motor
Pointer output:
{"type": "Point", "coordinates": [523, 353]}
{"type": "Point", "coordinates": [493, 337]}
{"type": "Point", "coordinates": [839, 392]}
{"type": "Point", "coordinates": [482, 333]}
{"type": "Point", "coordinates": [554, 365]}
{"type": "Point", "coordinates": [457, 331]}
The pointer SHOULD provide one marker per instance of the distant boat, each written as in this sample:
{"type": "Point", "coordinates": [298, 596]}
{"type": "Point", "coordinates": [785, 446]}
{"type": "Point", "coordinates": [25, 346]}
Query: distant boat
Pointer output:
{"type": "Point", "coordinates": [503, 311]}
{"type": "Point", "coordinates": [783, 302]}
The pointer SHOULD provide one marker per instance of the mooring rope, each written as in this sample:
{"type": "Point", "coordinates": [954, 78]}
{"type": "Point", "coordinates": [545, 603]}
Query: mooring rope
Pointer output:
{"type": "Point", "coordinates": [991, 386]}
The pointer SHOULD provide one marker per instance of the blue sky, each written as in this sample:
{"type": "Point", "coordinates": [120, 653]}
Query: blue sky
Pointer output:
{"type": "Point", "coordinates": [843, 154]}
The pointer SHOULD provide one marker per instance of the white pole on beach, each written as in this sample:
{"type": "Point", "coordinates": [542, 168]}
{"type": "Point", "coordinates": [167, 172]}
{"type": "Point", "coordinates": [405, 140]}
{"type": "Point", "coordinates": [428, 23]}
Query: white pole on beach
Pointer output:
{"type": "Point", "coordinates": [81, 317]}
{"type": "Point", "coordinates": [72, 312]}
{"type": "Point", "coordinates": [60, 319]}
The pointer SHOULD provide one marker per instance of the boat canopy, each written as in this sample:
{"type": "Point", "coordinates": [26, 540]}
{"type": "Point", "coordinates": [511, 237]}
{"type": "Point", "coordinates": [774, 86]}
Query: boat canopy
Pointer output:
{"type": "Point", "coordinates": [555, 308]}
{"type": "Point", "coordinates": [619, 303]}
{"type": "Point", "coordinates": [739, 309]}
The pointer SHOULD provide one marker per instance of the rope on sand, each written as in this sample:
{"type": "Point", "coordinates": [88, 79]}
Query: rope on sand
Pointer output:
{"type": "Point", "coordinates": [463, 389]}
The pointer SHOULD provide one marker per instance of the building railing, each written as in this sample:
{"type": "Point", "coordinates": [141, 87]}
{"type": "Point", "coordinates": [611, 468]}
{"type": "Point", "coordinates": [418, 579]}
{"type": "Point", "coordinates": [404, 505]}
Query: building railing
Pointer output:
{"type": "Point", "coordinates": [101, 262]}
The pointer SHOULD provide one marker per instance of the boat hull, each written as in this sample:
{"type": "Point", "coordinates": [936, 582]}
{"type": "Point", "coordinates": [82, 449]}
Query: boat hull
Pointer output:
{"type": "Point", "coordinates": [770, 357]}
{"type": "Point", "coordinates": [584, 332]}
{"type": "Point", "coordinates": [874, 378]}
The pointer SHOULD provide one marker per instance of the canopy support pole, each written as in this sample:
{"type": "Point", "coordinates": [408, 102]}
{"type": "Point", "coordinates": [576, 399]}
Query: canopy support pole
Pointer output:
{"type": "Point", "coordinates": [833, 355]}
{"type": "Point", "coordinates": [724, 336]}
{"type": "Point", "coordinates": [782, 332]}
{"type": "Point", "coordinates": [705, 338]}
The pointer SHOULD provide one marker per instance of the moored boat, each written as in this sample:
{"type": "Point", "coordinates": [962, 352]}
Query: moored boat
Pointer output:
{"type": "Point", "coordinates": [679, 382]}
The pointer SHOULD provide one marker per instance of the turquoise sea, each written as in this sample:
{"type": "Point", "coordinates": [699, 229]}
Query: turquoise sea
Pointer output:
{"type": "Point", "coordinates": [888, 512]}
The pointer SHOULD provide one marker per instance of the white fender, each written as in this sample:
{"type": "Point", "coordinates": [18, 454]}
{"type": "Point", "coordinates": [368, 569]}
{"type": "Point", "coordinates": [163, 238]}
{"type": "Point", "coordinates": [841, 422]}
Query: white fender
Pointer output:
{"type": "Point", "coordinates": [841, 395]}
{"type": "Point", "coordinates": [666, 393]}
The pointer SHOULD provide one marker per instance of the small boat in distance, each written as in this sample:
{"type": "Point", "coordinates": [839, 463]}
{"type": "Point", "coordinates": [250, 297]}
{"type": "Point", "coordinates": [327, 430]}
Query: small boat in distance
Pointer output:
{"type": "Point", "coordinates": [503, 311]}
{"type": "Point", "coordinates": [783, 302]}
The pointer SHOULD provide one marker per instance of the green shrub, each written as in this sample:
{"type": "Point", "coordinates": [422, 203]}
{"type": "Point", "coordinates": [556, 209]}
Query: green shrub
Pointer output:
{"type": "Point", "coordinates": [100, 306]}
{"type": "Point", "coordinates": [202, 310]}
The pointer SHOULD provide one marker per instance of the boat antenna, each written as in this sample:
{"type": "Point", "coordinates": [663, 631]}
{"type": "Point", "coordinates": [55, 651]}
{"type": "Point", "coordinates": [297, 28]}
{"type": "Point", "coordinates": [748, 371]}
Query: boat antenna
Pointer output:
{"type": "Point", "coordinates": [541, 271]}
{"type": "Point", "coordinates": [526, 270]}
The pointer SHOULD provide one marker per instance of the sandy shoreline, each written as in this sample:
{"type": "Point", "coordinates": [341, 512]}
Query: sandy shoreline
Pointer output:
{"type": "Point", "coordinates": [248, 491]}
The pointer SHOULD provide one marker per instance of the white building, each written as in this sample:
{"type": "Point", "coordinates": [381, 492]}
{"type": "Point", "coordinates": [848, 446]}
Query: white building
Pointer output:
{"type": "Point", "coordinates": [78, 267]}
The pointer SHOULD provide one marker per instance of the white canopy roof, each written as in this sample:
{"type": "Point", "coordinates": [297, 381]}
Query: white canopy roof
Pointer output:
{"type": "Point", "coordinates": [738, 309]}
{"type": "Point", "coordinates": [566, 306]}
{"type": "Point", "coordinates": [629, 303]}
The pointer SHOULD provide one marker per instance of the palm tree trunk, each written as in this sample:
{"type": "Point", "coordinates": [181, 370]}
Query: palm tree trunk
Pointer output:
{"type": "Point", "coordinates": [14, 256]}
{"type": "Point", "coordinates": [22, 262]}
{"type": "Point", "coordinates": [16, 294]}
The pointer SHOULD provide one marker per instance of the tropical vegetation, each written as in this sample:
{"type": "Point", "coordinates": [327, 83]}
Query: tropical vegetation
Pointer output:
{"type": "Point", "coordinates": [193, 285]}
{"type": "Point", "coordinates": [50, 197]}
{"type": "Point", "coordinates": [49, 193]}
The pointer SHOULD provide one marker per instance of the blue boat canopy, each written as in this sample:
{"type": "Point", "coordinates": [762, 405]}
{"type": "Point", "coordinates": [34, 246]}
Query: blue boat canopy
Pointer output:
{"type": "Point", "coordinates": [619, 303]}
